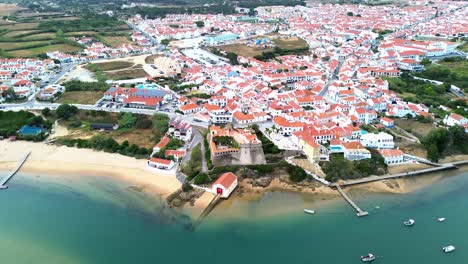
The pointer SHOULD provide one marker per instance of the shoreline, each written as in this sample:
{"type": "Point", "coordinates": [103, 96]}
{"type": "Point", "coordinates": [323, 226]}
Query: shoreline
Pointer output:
{"type": "Point", "coordinates": [53, 161]}
{"type": "Point", "coordinates": [64, 163]}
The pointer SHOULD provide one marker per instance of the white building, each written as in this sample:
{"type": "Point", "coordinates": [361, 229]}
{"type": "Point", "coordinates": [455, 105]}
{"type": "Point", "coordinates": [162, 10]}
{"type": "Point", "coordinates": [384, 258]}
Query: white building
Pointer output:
{"type": "Point", "coordinates": [381, 140]}
{"type": "Point", "coordinates": [225, 184]}
{"type": "Point", "coordinates": [180, 129]}
{"type": "Point", "coordinates": [161, 164]}
{"type": "Point", "coordinates": [393, 156]}
{"type": "Point", "coordinates": [455, 119]}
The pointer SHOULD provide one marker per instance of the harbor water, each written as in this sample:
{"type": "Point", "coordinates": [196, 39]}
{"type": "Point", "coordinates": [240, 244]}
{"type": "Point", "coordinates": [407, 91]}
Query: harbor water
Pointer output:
{"type": "Point", "coordinates": [98, 220]}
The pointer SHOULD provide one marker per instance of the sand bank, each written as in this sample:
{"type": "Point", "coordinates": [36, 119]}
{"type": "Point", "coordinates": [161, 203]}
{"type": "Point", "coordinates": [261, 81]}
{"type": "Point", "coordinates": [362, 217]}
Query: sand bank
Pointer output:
{"type": "Point", "coordinates": [55, 161]}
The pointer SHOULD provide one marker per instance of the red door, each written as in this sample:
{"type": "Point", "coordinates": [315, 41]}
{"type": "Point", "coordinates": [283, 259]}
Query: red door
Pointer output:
{"type": "Point", "coordinates": [219, 191]}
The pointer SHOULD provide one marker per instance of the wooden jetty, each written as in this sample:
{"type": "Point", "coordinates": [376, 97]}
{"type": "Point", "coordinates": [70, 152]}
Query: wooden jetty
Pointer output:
{"type": "Point", "coordinates": [440, 167]}
{"type": "Point", "coordinates": [208, 209]}
{"type": "Point", "coordinates": [3, 182]}
{"type": "Point", "coordinates": [359, 211]}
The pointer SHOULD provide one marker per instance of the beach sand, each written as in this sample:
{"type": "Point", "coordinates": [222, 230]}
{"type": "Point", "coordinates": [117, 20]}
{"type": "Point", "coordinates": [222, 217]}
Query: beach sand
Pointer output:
{"type": "Point", "coordinates": [53, 161]}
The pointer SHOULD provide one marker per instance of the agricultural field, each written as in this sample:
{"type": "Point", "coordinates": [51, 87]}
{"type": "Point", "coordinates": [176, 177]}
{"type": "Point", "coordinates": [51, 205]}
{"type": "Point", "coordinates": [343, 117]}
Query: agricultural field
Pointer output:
{"type": "Point", "coordinates": [9, 9]}
{"type": "Point", "coordinates": [80, 97]}
{"type": "Point", "coordinates": [20, 45]}
{"type": "Point", "coordinates": [115, 41]}
{"type": "Point", "coordinates": [33, 34]}
{"type": "Point", "coordinates": [34, 52]}
{"type": "Point", "coordinates": [20, 26]}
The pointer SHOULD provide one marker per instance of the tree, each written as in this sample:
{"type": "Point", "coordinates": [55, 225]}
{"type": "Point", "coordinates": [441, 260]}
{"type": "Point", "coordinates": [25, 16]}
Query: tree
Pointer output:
{"type": "Point", "coordinates": [127, 120]}
{"type": "Point", "coordinates": [460, 138]}
{"type": "Point", "coordinates": [165, 42]}
{"type": "Point", "coordinates": [426, 62]}
{"type": "Point", "coordinates": [45, 111]}
{"type": "Point", "coordinates": [232, 58]}
{"type": "Point", "coordinates": [9, 94]}
{"type": "Point", "coordinates": [433, 153]}
{"type": "Point", "coordinates": [350, 14]}
{"type": "Point", "coordinates": [66, 111]}
{"type": "Point", "coordinates": [200, 24]}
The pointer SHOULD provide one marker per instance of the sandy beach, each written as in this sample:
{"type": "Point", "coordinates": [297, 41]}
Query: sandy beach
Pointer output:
{"type": "Point", "coordinates": [53, 161]}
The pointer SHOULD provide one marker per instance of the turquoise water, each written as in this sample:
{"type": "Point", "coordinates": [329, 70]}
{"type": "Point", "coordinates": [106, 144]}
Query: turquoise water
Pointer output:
{"type": "Point", "coordinates": [93, 220]}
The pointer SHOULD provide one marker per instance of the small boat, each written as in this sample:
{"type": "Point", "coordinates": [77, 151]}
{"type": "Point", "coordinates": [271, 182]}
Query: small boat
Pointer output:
{"type": "Point", "coordinates": [409, 222]}
{"type": "Point", "coordinates": [440, 219]}
{"type": "Point", "coordinates": [448, 249]}
{"type": "Point", "coordinates": [377, 207]}
{"type": "Point", "coordinates": [308, 211]}
{"type": "Point", "coordinates": [368, 258]}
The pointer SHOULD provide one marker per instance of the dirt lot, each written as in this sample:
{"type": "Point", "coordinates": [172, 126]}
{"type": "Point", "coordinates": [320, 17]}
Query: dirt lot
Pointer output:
{"type": "Point", "coordinates": [244, 50]}
{"type": "Point", "coordinates": [126, 74]}
{"type": "Point", "coordinates": [80, 97]}
{"type": "Point", "coordinates": [290, 43]}
{"type": "Point", "coordinates": [283, 43]}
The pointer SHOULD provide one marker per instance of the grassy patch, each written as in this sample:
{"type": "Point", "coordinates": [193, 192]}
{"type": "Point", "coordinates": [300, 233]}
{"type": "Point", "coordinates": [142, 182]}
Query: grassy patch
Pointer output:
{"type": "Point", "coordinates": [463, 47]}
{"type": "Point", "coordinates": [80, 97]}
{"type": "Point", "coordinates": [113, 65]}
{"type": "Point", "coordinates": [415, 127]}
{"type": "Point", "coordinates": [450, 70]}
{"type": "Point", "coordinates": [115, 41]}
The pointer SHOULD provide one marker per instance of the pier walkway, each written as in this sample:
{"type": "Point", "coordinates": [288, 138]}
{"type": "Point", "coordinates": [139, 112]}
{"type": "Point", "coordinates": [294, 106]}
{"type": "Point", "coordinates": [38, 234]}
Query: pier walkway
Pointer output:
{"type": "Point", "coordinates": [359, 211]}
{"type": "Point", "coordinates": [440, 167]}
{"type": "Point", "coordinates": [208, 209]}
{"type": "Point", "coordinates": [3, 182]}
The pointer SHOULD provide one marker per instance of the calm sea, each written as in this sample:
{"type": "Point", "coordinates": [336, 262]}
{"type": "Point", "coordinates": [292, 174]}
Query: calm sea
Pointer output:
{"type": "Point", "coordinates": [43, 221]}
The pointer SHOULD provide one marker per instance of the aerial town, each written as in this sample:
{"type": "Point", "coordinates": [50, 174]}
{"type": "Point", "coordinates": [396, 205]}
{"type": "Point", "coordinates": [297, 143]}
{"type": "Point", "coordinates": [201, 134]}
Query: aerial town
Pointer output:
{"type": "Point", "coordinates": [314, 81]}
{"type": "Point", "coordinates": [186, 130]}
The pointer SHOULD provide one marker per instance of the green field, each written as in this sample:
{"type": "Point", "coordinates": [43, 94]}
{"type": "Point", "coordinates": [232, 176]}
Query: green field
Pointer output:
{"type": "Point", "coordinates": [41, 50]}
{"type": "Point", "coordinates": [35, 33]}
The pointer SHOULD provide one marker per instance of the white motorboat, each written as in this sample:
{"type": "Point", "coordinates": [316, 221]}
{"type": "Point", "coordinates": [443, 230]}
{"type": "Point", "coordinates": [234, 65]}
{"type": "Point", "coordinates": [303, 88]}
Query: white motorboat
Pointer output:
{"type": "Point", "coordinates": [448, 249]}
{"type": "Point", "coordinates": [368, 258]}
{"type": "Point", "coordinates": [409, 222]}
{"type": "Point", "coordinates": [440, 219]}
{"type": "Point", "coordinates": [308, 211]}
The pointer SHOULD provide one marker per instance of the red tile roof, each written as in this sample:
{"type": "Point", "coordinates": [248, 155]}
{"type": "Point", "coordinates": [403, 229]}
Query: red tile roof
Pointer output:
{"type": "Point", "coordinates": [226, 179]}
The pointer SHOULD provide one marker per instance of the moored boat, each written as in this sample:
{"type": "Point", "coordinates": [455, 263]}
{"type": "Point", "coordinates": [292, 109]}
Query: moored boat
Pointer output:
{"type": "Point", "coordinates": [308, 211]}
{"type": "Point", "coordinates": [368, 258]}
{"type": "Point", "coordinates": [448, 249]}
{"type": "Point", "coordinates": [409, 222]}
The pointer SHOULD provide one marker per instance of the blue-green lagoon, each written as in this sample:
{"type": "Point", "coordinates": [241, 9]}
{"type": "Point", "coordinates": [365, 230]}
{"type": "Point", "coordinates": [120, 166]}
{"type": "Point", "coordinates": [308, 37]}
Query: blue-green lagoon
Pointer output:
{"type": "Point", "coordinates": [98, 220]}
